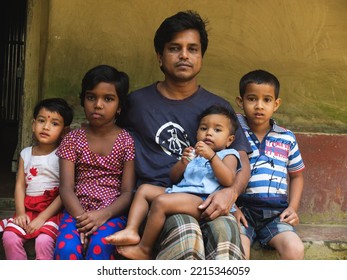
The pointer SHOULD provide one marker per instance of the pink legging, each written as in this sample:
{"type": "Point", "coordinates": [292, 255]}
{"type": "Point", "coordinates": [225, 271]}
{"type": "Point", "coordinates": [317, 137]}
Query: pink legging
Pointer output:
{"type": "Point", "coordinates": [14, 246]}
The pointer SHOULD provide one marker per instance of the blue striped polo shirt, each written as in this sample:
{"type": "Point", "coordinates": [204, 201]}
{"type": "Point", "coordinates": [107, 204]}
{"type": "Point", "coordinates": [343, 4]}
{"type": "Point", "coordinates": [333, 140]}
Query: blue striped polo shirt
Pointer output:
{"type": "Point", "coordinates": [271, 160]}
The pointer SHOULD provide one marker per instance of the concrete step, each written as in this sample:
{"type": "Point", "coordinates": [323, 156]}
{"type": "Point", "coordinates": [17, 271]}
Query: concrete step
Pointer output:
{"type": "Point", "coordinates": [7, 204]}
{"type": "Point", "coordinates": [322, 242]}
{"type": "Point", "coordinates": [331, 244]}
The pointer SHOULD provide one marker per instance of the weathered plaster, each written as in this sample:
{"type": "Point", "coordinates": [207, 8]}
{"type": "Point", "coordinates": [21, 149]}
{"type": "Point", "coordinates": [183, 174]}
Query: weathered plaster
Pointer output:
{"type": "Point", "coordinates": [304, 43]}
{"type": "Point", "coordinates": [35, 51]}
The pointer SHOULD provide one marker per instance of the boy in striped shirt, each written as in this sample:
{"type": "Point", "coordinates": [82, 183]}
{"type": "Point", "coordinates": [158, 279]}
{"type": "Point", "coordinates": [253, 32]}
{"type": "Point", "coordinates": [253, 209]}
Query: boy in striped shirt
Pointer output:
{"type": "Point", "coordinates": [268, 207]}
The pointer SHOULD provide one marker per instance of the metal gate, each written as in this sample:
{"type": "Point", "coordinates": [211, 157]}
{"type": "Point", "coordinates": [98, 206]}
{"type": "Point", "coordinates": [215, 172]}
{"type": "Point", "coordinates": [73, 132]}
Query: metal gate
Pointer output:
{"type": "Point", "coordinates": [12, 60]}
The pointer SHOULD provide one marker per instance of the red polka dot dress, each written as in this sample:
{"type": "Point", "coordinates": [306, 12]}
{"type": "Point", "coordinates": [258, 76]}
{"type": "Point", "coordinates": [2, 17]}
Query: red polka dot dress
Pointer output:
{"type": "Point", "coordinates": [97, 185]}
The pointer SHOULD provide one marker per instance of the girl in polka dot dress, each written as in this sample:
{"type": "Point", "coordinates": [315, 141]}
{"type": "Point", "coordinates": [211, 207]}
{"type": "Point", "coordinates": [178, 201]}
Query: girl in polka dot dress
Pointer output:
{"type": "Point", "coordinates": [96, 170]}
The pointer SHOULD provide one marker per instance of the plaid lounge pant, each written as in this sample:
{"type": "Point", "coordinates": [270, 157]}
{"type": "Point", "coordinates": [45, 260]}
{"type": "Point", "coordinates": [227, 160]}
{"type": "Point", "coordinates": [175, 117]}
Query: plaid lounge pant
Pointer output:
{"type": "Point", "coordinates": [183, 238]}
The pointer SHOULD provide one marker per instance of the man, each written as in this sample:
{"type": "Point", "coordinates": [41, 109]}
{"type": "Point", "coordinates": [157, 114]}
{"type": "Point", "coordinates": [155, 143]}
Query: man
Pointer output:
{"type": "Point", "coordinates": [163, 120]}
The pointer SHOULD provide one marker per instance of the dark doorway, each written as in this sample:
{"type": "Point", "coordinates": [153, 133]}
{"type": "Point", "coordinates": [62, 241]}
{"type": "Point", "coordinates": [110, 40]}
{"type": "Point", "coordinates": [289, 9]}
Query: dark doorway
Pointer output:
{"type": "Point", "coordinates": [12, 44]}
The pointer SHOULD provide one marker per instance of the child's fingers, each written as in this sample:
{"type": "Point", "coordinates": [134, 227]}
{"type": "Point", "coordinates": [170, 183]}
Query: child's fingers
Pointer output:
{"type": "Point", "coordinates": [82, 238]}
{"type": "Point", "coordinates": [94, 228]}
{"type": "Point", "coordinates": [292, 219]}
{"type": "Point", "coordinates": [244, 221]}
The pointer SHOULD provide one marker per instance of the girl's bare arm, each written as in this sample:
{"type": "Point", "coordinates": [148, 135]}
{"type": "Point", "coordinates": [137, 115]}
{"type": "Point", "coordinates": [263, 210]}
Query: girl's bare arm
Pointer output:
{"type": "Point", "coordinates": [67, 185]}
{"type": "Point", "coordinates": [21, 218]}
{"type": "Point", "coordinates": [90, 221]}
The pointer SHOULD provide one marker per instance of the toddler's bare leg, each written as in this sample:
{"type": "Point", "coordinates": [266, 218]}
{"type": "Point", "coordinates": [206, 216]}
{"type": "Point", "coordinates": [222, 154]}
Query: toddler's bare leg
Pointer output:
{"type": "Point", "coordinates": [138, 211]}
{"type": "Point", "coordinates": [162, 206]}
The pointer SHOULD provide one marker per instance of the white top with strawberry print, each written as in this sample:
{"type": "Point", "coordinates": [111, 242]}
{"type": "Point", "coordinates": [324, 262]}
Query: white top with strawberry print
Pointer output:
{"type": "Point", "coordinates": [41, 172]}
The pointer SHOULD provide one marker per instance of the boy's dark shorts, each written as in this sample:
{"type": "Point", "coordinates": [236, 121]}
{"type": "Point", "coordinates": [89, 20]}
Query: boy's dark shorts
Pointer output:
{"type": "Point", "coordinates": [263, 225]}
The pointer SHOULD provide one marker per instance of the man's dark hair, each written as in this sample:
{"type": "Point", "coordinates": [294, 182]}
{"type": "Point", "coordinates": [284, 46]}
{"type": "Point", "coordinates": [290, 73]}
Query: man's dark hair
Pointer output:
{"type": "Point", "coordinates": [177, 23]}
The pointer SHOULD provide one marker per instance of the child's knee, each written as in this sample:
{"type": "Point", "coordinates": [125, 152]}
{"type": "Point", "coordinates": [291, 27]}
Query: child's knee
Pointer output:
{"type": "Point", "coordinates": [297, 250]}
{"type": "Point", "coordinates": [291, 249]}
{"type": "Point", "coordinates": [158, 203]}
{"type": "Point", "coordinates": [10, 237]}
{"type": "Point", "coordinates": [44, 240]}
{"type": "Point", "coordinates": [44, 247]}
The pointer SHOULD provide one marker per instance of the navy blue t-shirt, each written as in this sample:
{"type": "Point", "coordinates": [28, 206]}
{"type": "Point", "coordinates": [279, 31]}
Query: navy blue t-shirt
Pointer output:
{"type": "Point", "coordinates": [163, 128]}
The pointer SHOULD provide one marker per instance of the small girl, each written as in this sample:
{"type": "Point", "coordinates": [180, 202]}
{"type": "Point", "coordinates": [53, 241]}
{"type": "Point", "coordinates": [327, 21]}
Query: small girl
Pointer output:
{"type": "Point", "coordinates": [96, 170]}
{"type": "Point", "coordinates": [198, 175]}
{"type": "Point", "coordinates": [38, 205]}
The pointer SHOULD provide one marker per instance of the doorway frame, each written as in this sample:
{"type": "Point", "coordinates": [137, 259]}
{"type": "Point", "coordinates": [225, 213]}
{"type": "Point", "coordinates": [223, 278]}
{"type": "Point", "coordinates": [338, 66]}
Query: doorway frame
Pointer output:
{"type": "Point", "coordinates": [35, 51]}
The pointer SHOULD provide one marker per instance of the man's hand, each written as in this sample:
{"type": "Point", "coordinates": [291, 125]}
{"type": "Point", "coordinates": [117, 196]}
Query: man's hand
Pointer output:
{"type": "Point", "coordinates": [218, 204]}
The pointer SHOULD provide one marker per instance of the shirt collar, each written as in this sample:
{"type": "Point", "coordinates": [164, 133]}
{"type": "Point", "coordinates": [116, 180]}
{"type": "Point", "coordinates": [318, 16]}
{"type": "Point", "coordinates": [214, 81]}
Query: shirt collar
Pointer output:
{"type": "Point", "coordinates": [274, 126]}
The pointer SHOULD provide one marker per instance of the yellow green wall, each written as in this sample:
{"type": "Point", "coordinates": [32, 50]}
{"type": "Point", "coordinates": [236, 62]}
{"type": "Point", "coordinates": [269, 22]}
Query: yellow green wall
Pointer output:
{"type": "Point", "coordinates": [304, 43]}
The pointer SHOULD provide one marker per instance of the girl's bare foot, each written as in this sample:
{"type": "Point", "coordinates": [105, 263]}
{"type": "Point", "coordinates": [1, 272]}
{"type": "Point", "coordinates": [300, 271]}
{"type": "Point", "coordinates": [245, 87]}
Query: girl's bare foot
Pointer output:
{"type": "Point", "coordinates": [124, 237]}
{"type": "Point", "coordinates": [135, 252]}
